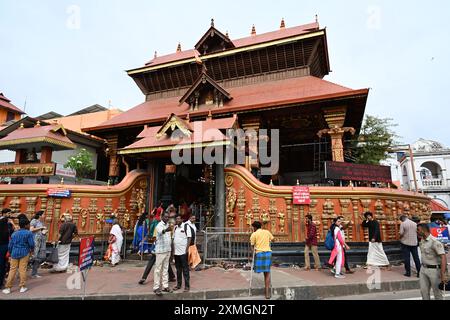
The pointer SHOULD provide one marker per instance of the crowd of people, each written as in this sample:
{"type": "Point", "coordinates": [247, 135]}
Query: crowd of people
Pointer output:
{"type": "Point", "coordinates": [23, 242]}
{"type": "Point", "coordinates": [169, 237]}
{"type": "Point", "coordinates": [430, 262]}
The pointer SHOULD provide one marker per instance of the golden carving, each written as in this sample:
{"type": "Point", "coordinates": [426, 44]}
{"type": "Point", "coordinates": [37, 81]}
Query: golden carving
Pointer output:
{"type": "Point", "coordinates": [230, 204]}
{"type": "Point", "coordinates": [56, 215]}
{"type": "Point", "coordinates": [126, 220]}
{"type": "Point", "coordinates": [255, 207]}
{"type": "Point", "coordinates": [2, 202]}
{"type": "Point", "coordinates": [345, 203]}
{"type": "Point", "coordinates": [84, 216]}
{"type": "Point", "coordinates": [76, 207]}
{"type": "Point", "coordinates": [336, 133]}
{"type": "Point", "coordinates": [14, 205]}
{"type": "Point", "coordinates": [272, 213]}
{"type": "Point", "coordinates": [289, 215]}
{"type": "Point", "coordinates": [108, 208]}
{"type": "Point", "coordinates": [295, 221]}
{"type": "Point", "coordinates": [241, 206]}
{"type": "Point", "coordinates": [313, 206]}
{"type": "Point", "coordinates": [122, 206]}
{"type": "Point", "coordinates": [228, 180]}
{"type": "Point", "coordinates": [265, 217]}
{"type": "Point", "coordinates": [249, 218]}
{"type": "Point", "coordinates": [356, 236]}
{"type": "Point", "coordinates": [31, 205]}
{"type": "Point", "coordinates": [281, 221]}
{"type": "Point", "coordinates": [365, 204]}
{"type": "Point", "coordinates": [141, 199]}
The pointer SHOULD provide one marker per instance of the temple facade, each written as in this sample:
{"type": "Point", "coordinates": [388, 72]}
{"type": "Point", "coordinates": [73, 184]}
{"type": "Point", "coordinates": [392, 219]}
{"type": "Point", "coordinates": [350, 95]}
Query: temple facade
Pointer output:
{"type": "Point", "coordinates": [263, 100]}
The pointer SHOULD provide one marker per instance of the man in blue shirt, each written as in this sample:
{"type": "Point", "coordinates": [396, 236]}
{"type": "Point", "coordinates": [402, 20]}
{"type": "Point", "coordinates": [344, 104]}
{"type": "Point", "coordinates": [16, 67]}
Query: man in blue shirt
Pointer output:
{"type": "Point", "coordinates": [20, 246]}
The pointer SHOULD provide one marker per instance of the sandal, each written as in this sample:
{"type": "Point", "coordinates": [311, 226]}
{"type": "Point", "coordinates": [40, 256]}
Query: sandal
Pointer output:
{"type": "Point", "coordinates": [168, 290]}
{"type": "Point", "coordinates": [176, 288]}
{"type": "Point", "coordinates": [186, 289]}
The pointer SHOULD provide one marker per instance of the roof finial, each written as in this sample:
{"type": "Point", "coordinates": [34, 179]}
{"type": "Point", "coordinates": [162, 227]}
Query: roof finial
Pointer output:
{"type": "Point", "coordinates": [253, 31]}
{"type": "Point", "coordinates": [212, 22]}
{"type": "Point", "coordinates": [188, 117]}
{"type": "Point", "coordinates": [227, 35]}
{"type": "Point", "coordinates": [209, 114]}
{"type": "Point", "coordinates": [282, 25]}
{"type": "Point", "coordinates": [38, 124]}
{"type": "Point", "coordinates": [179, 47]}
{"type": "Point", "coordinates": [21, 126]}
{"type": "Point", "coordinates": [317, 18]}
{"type": "Point", "coordinates": [156, 55]}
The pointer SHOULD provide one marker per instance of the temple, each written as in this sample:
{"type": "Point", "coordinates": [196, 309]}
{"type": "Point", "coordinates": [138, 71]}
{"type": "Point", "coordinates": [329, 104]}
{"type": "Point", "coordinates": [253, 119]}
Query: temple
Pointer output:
{"type": "Point", "coordinates": [271, 88]}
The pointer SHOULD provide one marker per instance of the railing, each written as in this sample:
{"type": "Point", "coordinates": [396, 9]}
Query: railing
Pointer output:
{"type": "Point", "coordinates": [226, 244]}
{"type": "Point", "coordinates": [433, 183]}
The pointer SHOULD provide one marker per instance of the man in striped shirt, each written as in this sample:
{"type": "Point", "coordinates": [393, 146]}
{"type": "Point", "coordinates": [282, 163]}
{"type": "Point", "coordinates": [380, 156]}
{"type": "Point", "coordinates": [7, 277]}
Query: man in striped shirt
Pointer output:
{"type": "Point", "coordinates": [20, 246]}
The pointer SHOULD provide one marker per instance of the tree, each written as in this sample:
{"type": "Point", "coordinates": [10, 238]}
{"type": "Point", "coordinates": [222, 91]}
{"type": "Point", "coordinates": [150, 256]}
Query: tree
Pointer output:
{"type": "Point", "coordinates": [81, 163]}
{"type": "Point", "coordinates": [374, 140]}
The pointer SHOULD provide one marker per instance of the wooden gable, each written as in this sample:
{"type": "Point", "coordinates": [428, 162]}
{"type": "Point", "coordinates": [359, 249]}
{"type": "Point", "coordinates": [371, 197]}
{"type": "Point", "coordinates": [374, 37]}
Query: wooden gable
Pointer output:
{"type": "Point", "coordinates": [213, 40]}
{"type": "Point", "coordinates": [173, 123]}
{"type": "Point", "coordinates": [205, 91]}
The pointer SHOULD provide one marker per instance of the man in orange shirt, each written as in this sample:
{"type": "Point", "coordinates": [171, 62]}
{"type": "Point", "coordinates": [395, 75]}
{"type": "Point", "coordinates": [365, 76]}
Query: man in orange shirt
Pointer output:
{"type": "Point", "coordinates": [261, 239]}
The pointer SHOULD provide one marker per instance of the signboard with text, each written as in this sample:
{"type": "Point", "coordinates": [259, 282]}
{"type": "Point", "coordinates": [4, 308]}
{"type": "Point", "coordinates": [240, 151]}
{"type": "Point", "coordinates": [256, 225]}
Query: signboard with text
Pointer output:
{"type": "Point", "coordinates": [58, 193]}
{"type": "Point", "coordinates": [440, 234]}
{"type": "Point", "coordinates": [301, 195]}
{"type": "Point", "coordinates": [27, 170]}
{"type": "Point", "coordinates": [86, 254]}
{"type": "Point", "coordinates": [357, 172]}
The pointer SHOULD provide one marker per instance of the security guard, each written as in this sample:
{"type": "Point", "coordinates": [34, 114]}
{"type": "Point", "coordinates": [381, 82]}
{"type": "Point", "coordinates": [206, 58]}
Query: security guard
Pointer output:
{"type": "Point", "coordinates": [434, 263]}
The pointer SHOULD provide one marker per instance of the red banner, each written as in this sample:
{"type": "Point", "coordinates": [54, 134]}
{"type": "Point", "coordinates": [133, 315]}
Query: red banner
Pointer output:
{"type": "Point", "coordinates": [301, 195]}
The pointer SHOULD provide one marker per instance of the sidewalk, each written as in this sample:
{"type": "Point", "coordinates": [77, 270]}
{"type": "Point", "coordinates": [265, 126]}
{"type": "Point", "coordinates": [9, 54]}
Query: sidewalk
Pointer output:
{"type": "Point", "coordinates": [213, 283]}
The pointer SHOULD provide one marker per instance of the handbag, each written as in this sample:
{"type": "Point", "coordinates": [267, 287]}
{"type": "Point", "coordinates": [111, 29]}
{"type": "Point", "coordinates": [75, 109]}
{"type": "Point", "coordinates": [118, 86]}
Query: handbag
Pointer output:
{"type": "Point", "coordinates": [53, 256]}
{"type": "Point", "coordinates": [444, 286]}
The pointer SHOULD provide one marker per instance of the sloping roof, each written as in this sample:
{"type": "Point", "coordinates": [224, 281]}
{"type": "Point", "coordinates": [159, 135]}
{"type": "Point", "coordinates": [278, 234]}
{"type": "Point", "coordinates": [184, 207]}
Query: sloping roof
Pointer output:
{"type": "Point", "coordinates": [53, 135]}
{"type": "Point", "coordinates": [80, 121]}
{"type": "Point", "coordinates": [242, 42]}
{"type": "Point", "coordinates": [6, 103]}
{"type": "Point", "coordinates": [49, 115]}
{"type": "Point", "coordinates": [253, 96]}
{"type": "Point", "coordinates": [436, 206]}
{"type": "Point", "coordinates": [91, 109]}
{"type": "Point", "coordinates": [203, 78]}
{"type": "Point", "coordinates": [204, 133]}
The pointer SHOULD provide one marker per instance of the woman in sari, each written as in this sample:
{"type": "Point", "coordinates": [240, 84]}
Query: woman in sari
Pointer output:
{"type": "Point", "coordinates": [115, 240]}
{"type": "Point", "coordinates": [140, 243]}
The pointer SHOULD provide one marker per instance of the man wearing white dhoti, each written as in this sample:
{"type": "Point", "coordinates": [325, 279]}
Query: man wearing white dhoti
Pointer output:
{"type": "Point", "coordinates": [376, 255]}
{"type": "Point", "coordinates": [116, 239]}
{"type": "Point", "coordinates": [67, 232]}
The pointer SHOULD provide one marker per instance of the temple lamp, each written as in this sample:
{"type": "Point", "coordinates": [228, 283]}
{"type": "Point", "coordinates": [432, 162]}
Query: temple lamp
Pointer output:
{"type": "Point", "coordinates": [407, 148]}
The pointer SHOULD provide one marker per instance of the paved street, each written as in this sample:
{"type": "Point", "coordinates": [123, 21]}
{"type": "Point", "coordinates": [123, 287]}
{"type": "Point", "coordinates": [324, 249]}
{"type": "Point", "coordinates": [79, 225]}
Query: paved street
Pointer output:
{"type": "Point", "coordinates": [288, 283]}
{"type": "Point", "coordinates": [395, 295]}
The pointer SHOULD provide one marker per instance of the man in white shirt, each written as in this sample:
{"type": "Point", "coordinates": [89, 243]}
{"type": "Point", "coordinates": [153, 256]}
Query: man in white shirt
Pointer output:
{"type": "Point", "coordinates": [163, 248]}
{"type": "Point", "coordinates": [181, 242]}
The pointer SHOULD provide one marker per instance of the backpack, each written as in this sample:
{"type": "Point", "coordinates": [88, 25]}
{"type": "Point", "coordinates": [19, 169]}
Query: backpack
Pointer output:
{"type": "Point", "coordinates": [329, 240]}
{"type": "Point", "coordinates": [192, 234]}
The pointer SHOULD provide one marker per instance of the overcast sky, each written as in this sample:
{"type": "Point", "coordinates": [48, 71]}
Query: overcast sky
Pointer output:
{"type": "Point", "coordinates": [66, 55]}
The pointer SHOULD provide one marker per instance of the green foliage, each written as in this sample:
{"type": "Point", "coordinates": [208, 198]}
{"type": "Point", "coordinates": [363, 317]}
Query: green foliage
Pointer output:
{"type": "Point", "coordinates": [374, 140]}
{"type": "Point", "coordinates": [81, 163]}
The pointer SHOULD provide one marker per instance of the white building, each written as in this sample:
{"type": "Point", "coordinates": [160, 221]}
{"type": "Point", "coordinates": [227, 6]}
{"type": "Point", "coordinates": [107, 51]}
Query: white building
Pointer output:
{"type": "Point", "coordinates": [432, 166]}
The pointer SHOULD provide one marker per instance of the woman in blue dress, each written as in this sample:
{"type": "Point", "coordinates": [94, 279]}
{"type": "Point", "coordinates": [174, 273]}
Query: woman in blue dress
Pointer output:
{"type": "Point", "coordinates": [140, 243]}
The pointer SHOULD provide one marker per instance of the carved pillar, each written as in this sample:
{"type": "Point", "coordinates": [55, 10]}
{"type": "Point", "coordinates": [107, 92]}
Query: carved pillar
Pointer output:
{"type": "Point", "coordinates": [335, 118]}
{"type": "Point", "coordinates": [114, 158]}
{"type": "Point", "coordinates": [272, 214]}
{"type": "Point", "coordinates": [241, 206]}
{"type": "Point", "coordinates": [295, 222]}
{"type": "Point", "coordinates": [357, 235]}
{"type": "Point", "coordinates": [327, 217]}
{"type": "Point", "coordinates": [289, 216]}
{"type": "Point", "coordinates": [46, 155]}
{"type": "Point", "coordinates": [252, 124]}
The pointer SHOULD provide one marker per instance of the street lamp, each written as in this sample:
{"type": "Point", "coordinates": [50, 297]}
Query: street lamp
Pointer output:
{"type": "Point", "coordinates": [407, 147]}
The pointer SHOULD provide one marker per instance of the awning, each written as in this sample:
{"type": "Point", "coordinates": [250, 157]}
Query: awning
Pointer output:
{"type": "Point", "coordinates": [178, 134]}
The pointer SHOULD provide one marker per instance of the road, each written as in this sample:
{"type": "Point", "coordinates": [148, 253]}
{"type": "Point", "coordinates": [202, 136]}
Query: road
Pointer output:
{"type": "Point", "coordinates": [399, 295]}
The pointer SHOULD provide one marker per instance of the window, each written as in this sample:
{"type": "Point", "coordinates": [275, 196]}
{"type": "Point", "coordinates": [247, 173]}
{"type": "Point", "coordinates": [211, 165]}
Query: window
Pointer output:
{"type": "Point", "coordinates": [10, 116]}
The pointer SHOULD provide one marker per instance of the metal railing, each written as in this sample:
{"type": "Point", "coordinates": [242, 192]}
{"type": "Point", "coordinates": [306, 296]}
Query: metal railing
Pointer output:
{"type": "Point", "coordinates": [223, 244]}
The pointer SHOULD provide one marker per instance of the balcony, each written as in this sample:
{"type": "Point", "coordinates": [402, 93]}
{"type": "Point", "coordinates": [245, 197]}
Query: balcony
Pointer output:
{"type": "Point", "coordinates": [434, 183]}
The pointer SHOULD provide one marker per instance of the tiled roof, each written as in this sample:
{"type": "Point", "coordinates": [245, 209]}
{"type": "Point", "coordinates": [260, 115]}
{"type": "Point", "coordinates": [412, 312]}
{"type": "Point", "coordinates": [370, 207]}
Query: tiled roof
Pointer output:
{"type": "Point", "coordinates": [204, 132]}
{"type": "Point", "coordinates": [6, 103]}
{"type": "Point", "coordinates": [436, 206]}
{"type": "Point", "coordinates": [254, 96]}
{"type": "Point", "coordinates": [47, 134]}
{"type": "Point", "coordinates": [239, 43]}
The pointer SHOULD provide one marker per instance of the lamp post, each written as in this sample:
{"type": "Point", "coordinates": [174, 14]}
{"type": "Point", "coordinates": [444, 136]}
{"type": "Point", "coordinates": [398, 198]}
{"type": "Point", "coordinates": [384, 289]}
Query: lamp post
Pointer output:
{"type": "Point", "coordinates": [407, 148]}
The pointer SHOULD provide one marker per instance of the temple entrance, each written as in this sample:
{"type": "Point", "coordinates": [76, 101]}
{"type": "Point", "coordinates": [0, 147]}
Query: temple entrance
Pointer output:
{"type": "Point", "coordinates": [189, 187]}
